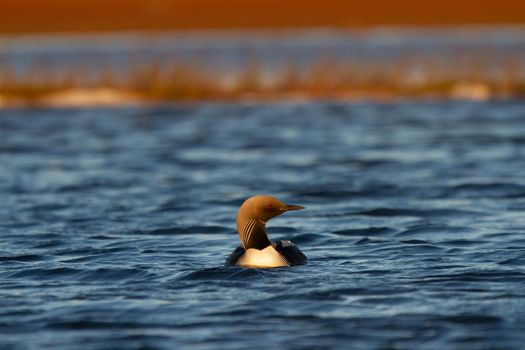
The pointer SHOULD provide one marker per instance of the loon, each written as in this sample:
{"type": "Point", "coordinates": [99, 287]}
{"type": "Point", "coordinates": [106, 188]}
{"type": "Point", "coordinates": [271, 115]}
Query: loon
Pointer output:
{"type": "Point", "coordinates": [256, 250]}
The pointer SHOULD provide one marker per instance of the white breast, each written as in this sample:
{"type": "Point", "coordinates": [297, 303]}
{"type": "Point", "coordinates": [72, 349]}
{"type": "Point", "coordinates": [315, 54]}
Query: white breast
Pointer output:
{"type": "Point", "coordinates": [267, 257]}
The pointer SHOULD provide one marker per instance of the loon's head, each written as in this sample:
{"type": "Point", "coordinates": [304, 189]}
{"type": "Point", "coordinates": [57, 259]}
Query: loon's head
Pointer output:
{"type": "Point", "coordinates": [253, 215]}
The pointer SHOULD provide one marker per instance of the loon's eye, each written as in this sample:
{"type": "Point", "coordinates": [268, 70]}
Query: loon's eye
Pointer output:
{"type": "Point", "coordinates": [269, 205]}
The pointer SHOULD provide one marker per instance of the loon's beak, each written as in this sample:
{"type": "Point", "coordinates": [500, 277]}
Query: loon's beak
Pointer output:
{"type": "Point", "coordinates": [289, 207]}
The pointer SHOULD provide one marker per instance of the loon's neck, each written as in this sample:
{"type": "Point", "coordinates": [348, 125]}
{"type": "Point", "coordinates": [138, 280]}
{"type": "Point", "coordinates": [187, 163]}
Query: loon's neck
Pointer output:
{"type": "Point", "coordinates": [252, 233]}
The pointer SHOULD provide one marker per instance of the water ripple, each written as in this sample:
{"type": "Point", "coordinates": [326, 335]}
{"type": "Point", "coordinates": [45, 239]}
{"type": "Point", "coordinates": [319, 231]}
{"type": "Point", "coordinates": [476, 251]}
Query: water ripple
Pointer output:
{"type": "Point", "coordinates": [116, 224]}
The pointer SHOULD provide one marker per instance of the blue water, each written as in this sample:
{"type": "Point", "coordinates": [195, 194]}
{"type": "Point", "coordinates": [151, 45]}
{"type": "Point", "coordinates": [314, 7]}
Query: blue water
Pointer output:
{"type": "Point", "coordinates": [115, 224]}
{"type": "Point", "coordinates": [493, 53]}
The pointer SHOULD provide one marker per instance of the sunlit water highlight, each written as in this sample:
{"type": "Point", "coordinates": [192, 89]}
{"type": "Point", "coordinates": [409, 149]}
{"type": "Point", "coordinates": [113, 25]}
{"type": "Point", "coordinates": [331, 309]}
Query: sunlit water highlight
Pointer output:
{"type": "Point", "coordinates": [115, 224]}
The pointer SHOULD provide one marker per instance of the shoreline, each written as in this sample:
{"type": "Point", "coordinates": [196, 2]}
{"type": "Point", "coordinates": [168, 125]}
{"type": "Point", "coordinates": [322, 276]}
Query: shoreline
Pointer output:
{"type": "Point", "coordinates": [114, 98]}
{"type": "Point", "coordinates": [268, 31]}
{"type": "Point", "coordinates": [379, 64]}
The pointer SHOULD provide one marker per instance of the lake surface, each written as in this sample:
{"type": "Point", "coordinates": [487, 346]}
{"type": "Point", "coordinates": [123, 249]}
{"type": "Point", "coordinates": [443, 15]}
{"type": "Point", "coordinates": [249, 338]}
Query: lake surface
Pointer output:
{"type": "Point", "coordinates": [115, 224]}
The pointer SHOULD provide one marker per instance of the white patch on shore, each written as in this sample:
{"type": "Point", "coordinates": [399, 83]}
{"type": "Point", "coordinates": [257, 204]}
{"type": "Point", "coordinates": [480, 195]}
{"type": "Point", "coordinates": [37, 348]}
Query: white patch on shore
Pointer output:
{"type": "Point", "coordinates": [76, 97]}
{"type": "Point", "coordinates": [84, 97]}
{"type": "Point", "coordinates": [470, 91]}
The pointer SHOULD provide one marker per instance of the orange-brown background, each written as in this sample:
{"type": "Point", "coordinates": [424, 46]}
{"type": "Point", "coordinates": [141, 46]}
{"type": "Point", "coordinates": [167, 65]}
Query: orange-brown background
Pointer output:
{"type": "Point", "coordinates": [97, 15]}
